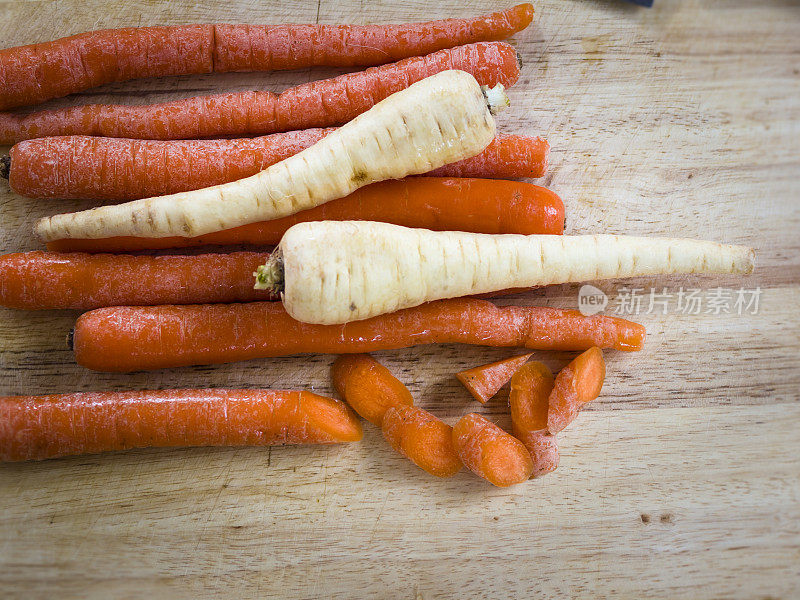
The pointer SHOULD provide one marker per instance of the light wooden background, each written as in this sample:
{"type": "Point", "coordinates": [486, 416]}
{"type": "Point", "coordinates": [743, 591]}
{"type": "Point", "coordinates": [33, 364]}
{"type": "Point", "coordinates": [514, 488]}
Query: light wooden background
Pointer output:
{"type": "Point", "coordinates": [681, 481]}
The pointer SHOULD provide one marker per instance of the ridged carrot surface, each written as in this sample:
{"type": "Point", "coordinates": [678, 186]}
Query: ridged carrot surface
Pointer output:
{"type": "Point", "coordinates": [140, 338]}
{"type": "Point", "coordinates": [577, 384]}
{"type": "Point", "coordinates": [491, 453]}
{"type": "Point", "coordinates": [52, 280]}
{"type": "Point", "coordinates": [531, 386]}
{"type": "Point", "coordinates": [368, 387]}
{"type": "Point", "coordinates": [322, 103]}
{"type": "Point", "coordinates": [100, 168]}
{"type": "Point", "coordinates": [38, 72]}
{"type": "Point", "coordinates": [422, 438]}
{"type": "Point", "coordinates": [485, 381]}
{"type": "Point", "coordinates": [442, 204]}
{"type": "Point", "coordinates": [39, 427]}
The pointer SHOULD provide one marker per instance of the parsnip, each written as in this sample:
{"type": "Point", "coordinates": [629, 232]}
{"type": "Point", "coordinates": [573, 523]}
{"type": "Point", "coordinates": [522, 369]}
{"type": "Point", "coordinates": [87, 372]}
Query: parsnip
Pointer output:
{"type": "Point", "coordinates": [439, 120]}
{"type": "Point", "coordinates": [334, 272]}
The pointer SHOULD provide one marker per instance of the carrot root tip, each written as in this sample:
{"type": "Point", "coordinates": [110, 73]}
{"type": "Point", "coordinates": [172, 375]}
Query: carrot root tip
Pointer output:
{"type": "Point", "coordinates": [5, 167]}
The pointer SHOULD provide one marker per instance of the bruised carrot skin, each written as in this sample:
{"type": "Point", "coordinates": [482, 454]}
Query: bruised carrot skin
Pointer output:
{"type": "Point", "coordinates": [531, 386]}
{"type": "Point", "coordinates": [491, 453]}
{"type": "Point", "coordinates": [485, 381]}
{"type": "Point", "coordinates": [52, 280]}
{"type": "Point", "coordinates": [121, 338]}
{"type": "Point", "coordinates": [441, 204]}
{"type": "Point", "coordinates": [40, 427]}
{"type": "Point", "coordinates": [422, 438]}
{"type": "Point", "coordinates": [577, 383]}
{"type": "Point", "coordinates": [117, 169]}
{"type": "Point", "coordinates": [322, 103]}
{"type": "Point", "coordinates": [38, 72]}
{"type": "Point", "coordinates": [368, 387]}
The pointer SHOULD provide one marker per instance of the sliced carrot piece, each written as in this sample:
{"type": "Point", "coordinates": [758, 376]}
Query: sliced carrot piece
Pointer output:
{"type": "Point", "coordinates": [531, 387]}
{"type": "Point", "coordinates": [485, 381]}
{"type": "Point", "coordinates": [422, 438]}
{"type": "Point", "coordinates": [578, 383]}
{"type": "Point", "coordinates": [491, 453]}
{"type": "Point", "coordinates": [368, 387]}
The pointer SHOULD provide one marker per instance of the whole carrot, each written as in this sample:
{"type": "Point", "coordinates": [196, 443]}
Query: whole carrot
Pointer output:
{"type": "Point", "coordinates": [531, 386]}
{"type": "Point", "coordinates": [50, 280]}
{"type": "Point", "coordinates": [422, 438]}
{"type": "Point", "coordinates": [39, 72]}
{"type": "Point", "coordinates": [368, 387]}
{"type": "Point", "coordinates": [577, 384]}
{"type": "Point", "coordinates": [491, 453]}
{"type": "Point", "coordinates": [100, 168]}
{"type": "Point", "coordinates": [316, 104]}
{"type": "Point", "coordinates": [121, 338]}
{"type": "Point", "coordinates": [478, 205]}
{"type": "Point", "coordinates": [485, 381]}
{"type": "Point", "coordinates": [39, 427]}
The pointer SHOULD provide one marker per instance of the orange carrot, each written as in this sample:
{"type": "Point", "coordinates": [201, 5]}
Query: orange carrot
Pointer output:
{"type": "Point", "coordinates": [491, 453]}
{"type": "Point", "coordinates": [38, 72]}
{"type": "Point", "coordinates": [530, 392]}
{"type": "Point", "coordinates": [121, 338]}
{"type": "Point", "coordinates": [422, 438]}
{"type": "Point", "coordinates": [99, 168]}
{"type": "Point", "coordinates": [577, 383]}
{"type": "Point", "coordinates": [485, 381]}
{"type": "Point", "coordinates": [39, 427]}
{"type": "Point", "coordinates": [368, 387]}
{"type": "Point", "coordinates": [316, 104]}
{"type": "Point", "coordinates": [442, 204]}
{"type": "Point", "coordinates": [47, 280]}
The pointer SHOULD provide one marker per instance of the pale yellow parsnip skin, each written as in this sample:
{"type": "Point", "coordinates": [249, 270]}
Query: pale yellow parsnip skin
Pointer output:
{"type": "Point", "coordinates": [335, 272]}
{"type": "Point", "coordinates": [439, 120]}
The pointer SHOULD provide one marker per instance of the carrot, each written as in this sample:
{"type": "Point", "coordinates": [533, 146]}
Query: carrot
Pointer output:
{"type": "Point", "coordinates": [39, 427]}
{"type": "Point", "coordinates": [487, 206]}
{"type": "Point", "coordinates": [122, 338]}
{"type": "Point", "coordinates": [441, 119]}
{"type": "Point", "coordinates": [47, 280]}
{"type": "Point", "coordinates": [315, 104]}
{"type": "Point", "coordinates": [368, 387]}
{"type": "Point", "coordinates": [578, 383]}
{"type": "Point", "coordinates": [39, 72]}
{"type": "Point", "coordinates": [531, 386]}
{"type": "Point", "coordinates": [118, 169]}
{"type": "Point", "coordinates": [485, 381]}
{"type": "Point", "coordinates": [490, 452]}
{"type": "Point", "coordinates": [336, 272]}
{"type": "Point", "coordinates": [422, 438]}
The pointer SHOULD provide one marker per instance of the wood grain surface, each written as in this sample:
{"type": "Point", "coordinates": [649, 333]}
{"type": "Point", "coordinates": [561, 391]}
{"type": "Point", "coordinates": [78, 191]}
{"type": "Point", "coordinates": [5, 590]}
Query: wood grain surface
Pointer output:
{"type": "Point", "coordinates": [682, 481]}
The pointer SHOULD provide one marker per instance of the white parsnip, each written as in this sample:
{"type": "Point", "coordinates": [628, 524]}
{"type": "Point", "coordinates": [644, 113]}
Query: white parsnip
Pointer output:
{"type": "Point", "coordinates": [442, 119]}
{"type": "Point", "coordinates": [334, 272]}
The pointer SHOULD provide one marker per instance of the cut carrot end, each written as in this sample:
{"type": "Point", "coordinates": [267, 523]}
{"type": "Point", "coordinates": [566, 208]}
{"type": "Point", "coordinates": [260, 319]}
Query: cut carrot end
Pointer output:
{"type": "Point", "coordinates": [333, 417]}
{"type": "Point", "coordinates": [485, 381]}
{"type": "Point", "coordinates": [590, 372]}
{"type": "Point", "coordinates": [531, 387]}
{"type": "Point", "coordinates": [422, 438]}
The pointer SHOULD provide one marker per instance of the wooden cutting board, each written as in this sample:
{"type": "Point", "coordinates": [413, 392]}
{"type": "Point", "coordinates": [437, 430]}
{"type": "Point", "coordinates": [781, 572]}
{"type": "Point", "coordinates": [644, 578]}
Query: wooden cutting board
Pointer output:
{"type": "Point", "coordinates": [681, 481]}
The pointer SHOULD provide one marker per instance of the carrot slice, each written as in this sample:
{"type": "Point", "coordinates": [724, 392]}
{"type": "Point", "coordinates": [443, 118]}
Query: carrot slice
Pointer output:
{"type": "Point", "coordinates": [529, 399]}
{"type": "Point", "coordinates": [485, 381]}
{"type": "Point", "coordinates": [368, 387]}
{"type": "Point", "coordinates": [422, 438]}
{"type": "Point", "coordinates": [491, 453]}
{"type": "Point", "coordinates": [578, 383]}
